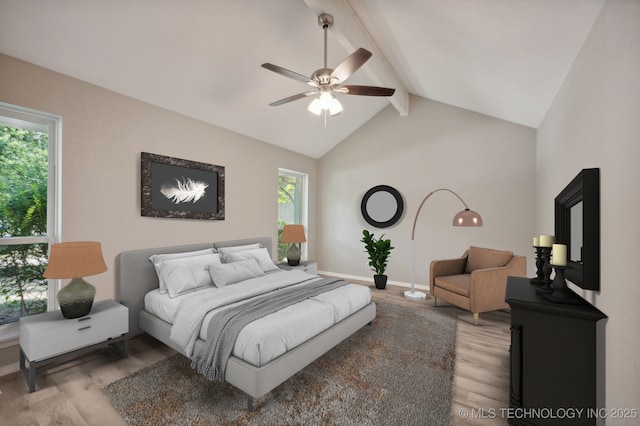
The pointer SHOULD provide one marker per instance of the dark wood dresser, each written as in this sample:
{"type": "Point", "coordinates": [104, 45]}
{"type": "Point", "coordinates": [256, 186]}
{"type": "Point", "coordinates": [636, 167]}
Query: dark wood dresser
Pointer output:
{"type": "Point", "coordinates": [556, 359]}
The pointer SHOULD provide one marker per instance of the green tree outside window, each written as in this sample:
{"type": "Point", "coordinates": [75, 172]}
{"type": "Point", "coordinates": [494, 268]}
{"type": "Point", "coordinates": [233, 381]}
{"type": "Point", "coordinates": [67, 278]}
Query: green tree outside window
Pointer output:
{"type": "Point", "coordinates": [23, 213]}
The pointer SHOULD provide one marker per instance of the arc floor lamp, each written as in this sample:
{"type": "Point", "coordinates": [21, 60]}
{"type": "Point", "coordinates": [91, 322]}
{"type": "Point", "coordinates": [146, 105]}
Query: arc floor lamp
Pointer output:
{"type": "Point", "coordinates": [466, 217]}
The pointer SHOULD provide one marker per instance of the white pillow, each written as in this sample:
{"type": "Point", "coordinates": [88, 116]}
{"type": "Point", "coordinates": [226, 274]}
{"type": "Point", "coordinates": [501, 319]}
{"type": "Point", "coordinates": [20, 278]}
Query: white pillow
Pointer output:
{"type": "Point", "coordinates": [261, 255]}
{"type": "Point", "coordinates": [231, 273]}
{"type": "Point", "coordinates": [224, 251]}
{"type": "Point", "coordinates": [158, 258]}
{"type": "Point", "coordinates": [179, 280]}
{"type": "Point", "coordinates": [196, 264]}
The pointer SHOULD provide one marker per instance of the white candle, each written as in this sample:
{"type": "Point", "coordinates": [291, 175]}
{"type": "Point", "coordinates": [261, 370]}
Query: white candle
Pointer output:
{"type": "Point", "coordinates": [536, 241]}
{"type": "Point", "coordinates": [547, 240]}
{"type": "Point", "coordinates": [559, 255]}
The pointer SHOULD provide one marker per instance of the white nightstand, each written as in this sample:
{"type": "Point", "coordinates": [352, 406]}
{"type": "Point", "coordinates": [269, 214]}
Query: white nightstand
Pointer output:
{"type": "Point", "coordinates": [47, 337]}
{"type": "Point", "coordinates": [308, 266]}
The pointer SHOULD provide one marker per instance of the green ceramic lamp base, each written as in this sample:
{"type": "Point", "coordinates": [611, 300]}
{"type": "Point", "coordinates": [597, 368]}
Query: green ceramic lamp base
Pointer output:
{"type": "Point", "coordinates": [76, 298]}
{"type": "Point", "coordinates": [293, 255]}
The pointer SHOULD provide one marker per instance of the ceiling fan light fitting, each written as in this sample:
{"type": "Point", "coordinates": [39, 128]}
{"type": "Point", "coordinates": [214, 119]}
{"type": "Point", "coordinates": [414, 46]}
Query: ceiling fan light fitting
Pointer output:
{"type": "Point", "coordinates": [326, 100]}
{"type": "Point", "coordinates": [315, 107]}
{"type": "Point", "coordinates": [336, 107]}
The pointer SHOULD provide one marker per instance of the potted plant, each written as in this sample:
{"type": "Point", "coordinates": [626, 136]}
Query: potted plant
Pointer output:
{"type": "Point", "coordinates": [379, 251]}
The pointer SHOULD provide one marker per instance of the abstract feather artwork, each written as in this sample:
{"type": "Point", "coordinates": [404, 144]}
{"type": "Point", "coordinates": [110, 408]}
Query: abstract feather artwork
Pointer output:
{"type": "Point", "coordinates": [185, 191]}
{"type": "Point", "coordinates": [177, 188]}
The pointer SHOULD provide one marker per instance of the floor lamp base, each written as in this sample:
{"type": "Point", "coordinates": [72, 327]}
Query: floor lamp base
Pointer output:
{"type": "Point", "coordinates": [415, 295]}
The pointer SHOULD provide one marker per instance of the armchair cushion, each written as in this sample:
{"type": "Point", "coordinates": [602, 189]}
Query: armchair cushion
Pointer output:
{"type": "Point", "coordinates": [459, 284]}
{"type": "Point", "coordinates": [483, 258]}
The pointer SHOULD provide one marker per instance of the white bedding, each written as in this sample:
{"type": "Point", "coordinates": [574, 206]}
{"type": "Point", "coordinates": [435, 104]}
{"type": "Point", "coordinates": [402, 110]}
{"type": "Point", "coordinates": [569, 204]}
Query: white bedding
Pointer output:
{"type": "Point", "coordinates": [269, 337]}
{"type": "Point", "coordinates": [161, 305]}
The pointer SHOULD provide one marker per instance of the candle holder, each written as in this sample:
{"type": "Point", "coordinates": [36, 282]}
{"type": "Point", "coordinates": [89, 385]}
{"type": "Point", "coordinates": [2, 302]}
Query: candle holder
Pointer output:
{"type": "Point", "coordinates": [539, 279]}
{"type": "Point", "coordinates": [561, 293]}
{"type": "Point", "coordinates": [545, 254]}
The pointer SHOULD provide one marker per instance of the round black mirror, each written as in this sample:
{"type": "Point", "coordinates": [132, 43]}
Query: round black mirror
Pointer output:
{"type": "Point", "coordinates": [382, 206]}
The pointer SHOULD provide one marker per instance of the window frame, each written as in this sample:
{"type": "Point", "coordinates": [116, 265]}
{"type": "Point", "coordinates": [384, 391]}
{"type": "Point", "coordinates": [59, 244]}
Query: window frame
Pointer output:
{"type": "Point", "coordinates": [303, 193]}
{"type": "Point", "coordinates": [30, 119]}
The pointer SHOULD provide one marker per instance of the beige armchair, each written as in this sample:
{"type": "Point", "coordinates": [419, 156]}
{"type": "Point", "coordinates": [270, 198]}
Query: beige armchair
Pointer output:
{"type": "Point", "coordinates": [477, 281]}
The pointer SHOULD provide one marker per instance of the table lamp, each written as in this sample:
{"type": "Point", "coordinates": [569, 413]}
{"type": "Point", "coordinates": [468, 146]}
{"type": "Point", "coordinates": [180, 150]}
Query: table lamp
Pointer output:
{"type": "Point", "coordinates": [293, 234]}
{"type": "Point", "coordinates": [75, 260]}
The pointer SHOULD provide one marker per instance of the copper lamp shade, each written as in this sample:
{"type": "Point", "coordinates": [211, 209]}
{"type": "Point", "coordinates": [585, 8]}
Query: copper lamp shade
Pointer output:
{"type": "Point", "coordinates": [467, 217]}
{"type": "Point", "coordinates": [293, 234]}
{"type": "Point", "coordinates": [75, 260]}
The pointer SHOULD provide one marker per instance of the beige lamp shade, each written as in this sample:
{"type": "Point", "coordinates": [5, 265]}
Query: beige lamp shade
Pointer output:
{"type": "Point", "coordinates": [75, 259]}
{"type": "Point", "coordinates": [293, 234]}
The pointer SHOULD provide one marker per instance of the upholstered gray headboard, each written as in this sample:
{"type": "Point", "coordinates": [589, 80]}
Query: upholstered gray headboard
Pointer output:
{"type": "Point", "coordinates": [135, 275]}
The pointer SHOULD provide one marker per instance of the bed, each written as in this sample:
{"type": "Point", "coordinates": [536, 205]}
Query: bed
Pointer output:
{"type": "Point", "coordinates": [137, 279]}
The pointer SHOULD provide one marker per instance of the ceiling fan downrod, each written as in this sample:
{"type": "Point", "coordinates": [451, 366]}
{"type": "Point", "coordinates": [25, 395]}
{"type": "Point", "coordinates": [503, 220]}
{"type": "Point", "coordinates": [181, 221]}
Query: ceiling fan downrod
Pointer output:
{"type": "Point", "coordinates": [325, 21]}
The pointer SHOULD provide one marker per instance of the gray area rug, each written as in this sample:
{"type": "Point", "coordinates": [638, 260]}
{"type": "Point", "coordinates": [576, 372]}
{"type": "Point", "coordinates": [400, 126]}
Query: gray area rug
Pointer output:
{"type": "Point", "coordinates": [399, 371]}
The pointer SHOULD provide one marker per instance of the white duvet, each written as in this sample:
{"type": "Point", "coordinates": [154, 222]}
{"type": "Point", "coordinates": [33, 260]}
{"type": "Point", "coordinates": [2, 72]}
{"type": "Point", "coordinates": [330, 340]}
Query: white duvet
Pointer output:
{"type": "Point", "coordinates": [269, 337]}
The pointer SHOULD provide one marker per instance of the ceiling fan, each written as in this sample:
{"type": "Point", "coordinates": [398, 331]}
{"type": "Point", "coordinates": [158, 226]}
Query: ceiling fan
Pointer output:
{"type": "Point", "coordinates": [327, 81]}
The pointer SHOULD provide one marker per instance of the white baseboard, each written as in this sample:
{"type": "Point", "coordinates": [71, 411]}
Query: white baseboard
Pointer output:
{"type": "Point", "coordinates": [370, 280]}
{"type": "Point", "coordinates": [9, 337]}
{"type": "Point", "coordinates": [9, 368]}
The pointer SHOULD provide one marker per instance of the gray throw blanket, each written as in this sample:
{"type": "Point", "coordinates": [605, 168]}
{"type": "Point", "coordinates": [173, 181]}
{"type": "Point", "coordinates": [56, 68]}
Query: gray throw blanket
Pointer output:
{"type": "Point", "coordinates": [226, 325]}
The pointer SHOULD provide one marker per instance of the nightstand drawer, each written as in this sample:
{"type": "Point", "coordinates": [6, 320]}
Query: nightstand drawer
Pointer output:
{"type": "Point", "coordinates": [310, 267]}
{"type": "Point", "coordinates": [46, 335]}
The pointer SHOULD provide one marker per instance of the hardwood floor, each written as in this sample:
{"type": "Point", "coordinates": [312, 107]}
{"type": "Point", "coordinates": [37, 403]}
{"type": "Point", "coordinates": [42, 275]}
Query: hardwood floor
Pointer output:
{"type": "Point", "coordinates": [70, 393]}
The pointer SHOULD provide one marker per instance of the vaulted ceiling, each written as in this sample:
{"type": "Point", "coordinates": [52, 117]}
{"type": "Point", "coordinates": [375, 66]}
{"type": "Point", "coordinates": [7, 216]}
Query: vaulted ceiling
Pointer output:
{"type": "Point", "coordinates": [201, 58]}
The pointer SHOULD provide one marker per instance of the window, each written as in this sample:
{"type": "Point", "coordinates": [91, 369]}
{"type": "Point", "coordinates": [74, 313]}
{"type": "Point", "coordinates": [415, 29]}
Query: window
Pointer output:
{"type": "Point", "coordinates": [29, 219]}
{"type": "Point", "coordinates": [292, 205]}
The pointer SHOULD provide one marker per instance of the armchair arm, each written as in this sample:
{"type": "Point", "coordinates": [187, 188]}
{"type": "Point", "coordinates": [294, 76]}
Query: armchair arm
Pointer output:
{"type": "Point", "coordinates": [444, 267]}
{"type": "Point", "coordinates": [488, 286]}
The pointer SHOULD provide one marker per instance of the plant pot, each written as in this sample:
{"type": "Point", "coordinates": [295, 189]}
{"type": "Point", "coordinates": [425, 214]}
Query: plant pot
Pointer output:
{"type": "Point", "coordinates": [380, 281]}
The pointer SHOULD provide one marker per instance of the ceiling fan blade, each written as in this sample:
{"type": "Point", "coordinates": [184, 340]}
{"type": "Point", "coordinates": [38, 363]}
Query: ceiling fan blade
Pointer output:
{"type": "Point", "coordinates": [351, 65]}
{"type": "Point", "coordinates": [285, 72]}
{"type": "Point", "coordinates": [365, 90]}
{"type": "Point", "coordinates": [293, 98]}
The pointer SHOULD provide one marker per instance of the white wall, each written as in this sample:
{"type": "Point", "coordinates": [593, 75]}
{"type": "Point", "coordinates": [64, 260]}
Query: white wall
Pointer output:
{"type": "Point", "coordinates": [490, 163]}
{"type": "Point", "coordinates": [594, 122]}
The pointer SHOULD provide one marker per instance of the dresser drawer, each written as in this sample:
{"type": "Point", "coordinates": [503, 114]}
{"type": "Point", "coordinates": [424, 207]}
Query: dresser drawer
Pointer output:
{"type": "Point", "coordinates": [46, 335]}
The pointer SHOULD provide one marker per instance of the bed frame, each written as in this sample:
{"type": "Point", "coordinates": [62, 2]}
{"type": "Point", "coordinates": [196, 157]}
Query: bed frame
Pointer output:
{"type": "Point", "coordinates": [136, 276]}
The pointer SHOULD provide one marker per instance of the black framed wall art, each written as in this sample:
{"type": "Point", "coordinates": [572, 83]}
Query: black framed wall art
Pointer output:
{"type": "Point", "coordinates": [177, 188]}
